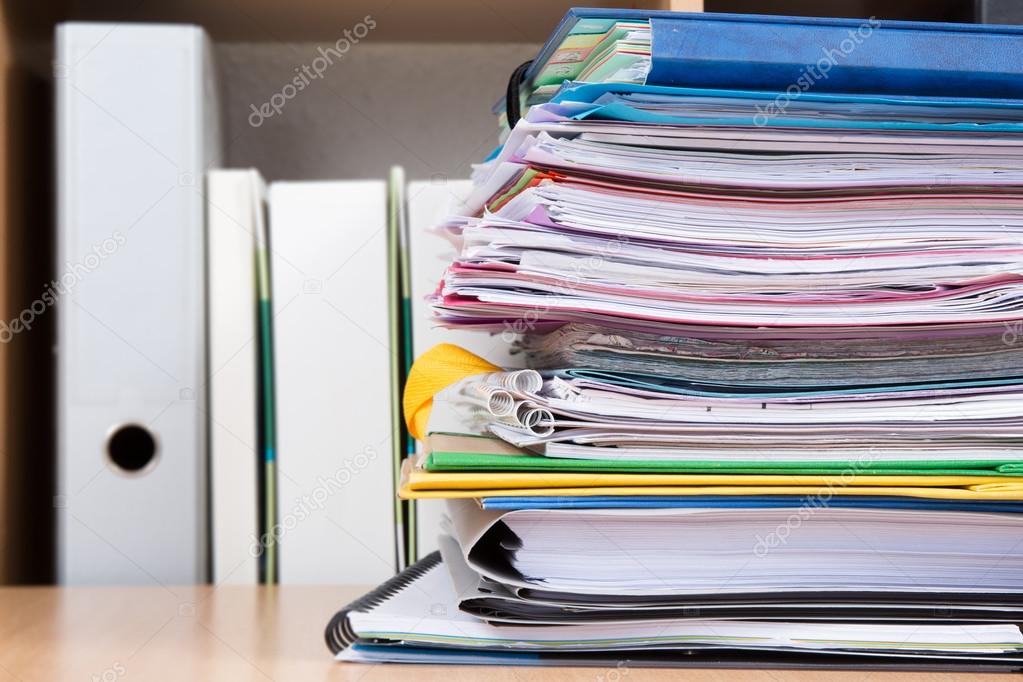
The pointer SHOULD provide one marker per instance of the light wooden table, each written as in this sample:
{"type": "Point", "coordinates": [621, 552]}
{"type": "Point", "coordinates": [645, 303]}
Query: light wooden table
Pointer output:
{"type": "Point", "coordinates": [253, 633]}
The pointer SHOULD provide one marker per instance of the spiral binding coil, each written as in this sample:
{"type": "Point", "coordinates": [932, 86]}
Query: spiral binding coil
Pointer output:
{"type": "Point", "coordinates": [339, 634]}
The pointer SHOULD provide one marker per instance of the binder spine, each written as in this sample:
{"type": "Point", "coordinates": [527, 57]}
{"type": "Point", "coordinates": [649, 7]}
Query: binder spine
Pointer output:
{"type": "Point", "coordinates": [339, 634]}
{"type": "Point", "coordinates": [796, 55]}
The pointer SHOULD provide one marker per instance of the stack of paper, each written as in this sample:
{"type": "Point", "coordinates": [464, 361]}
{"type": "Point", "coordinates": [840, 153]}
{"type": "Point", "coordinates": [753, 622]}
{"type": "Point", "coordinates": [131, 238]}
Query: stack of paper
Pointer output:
{"type": "Point", "coordinates": [774, 399]}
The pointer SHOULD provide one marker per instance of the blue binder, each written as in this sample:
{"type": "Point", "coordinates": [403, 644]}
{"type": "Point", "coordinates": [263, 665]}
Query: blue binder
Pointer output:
{"type": "Point", "coordinates": [772, 53]}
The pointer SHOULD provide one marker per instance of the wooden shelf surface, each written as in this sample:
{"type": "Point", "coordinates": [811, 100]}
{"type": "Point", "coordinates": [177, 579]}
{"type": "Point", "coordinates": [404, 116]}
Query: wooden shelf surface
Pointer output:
{"type": "Point", "coordinates": [258, 633]}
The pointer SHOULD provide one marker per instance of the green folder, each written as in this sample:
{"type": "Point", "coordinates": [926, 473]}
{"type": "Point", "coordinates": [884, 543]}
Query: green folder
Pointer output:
{"type": "Point", "coordinates": [267, 408]}
{"type": "Point", "coordinates": [462, 452]}
{"type": "Point", "coordinates": [400, 322]}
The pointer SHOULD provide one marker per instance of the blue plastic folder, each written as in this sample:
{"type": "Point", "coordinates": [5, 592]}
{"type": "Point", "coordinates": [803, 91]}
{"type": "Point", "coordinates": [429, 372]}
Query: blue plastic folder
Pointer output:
{"type": "Point", "coordinates": [609, 101]}
{"type": "Point", "coordinates": [776, 54]}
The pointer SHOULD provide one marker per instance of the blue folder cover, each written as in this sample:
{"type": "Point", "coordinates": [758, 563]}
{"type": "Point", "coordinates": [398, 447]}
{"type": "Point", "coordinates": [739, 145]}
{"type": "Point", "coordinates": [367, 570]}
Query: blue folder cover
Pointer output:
{"type": "Point", "coordinates": [582, 101]}
{"type": "Point", "coordinates": [774, 53]}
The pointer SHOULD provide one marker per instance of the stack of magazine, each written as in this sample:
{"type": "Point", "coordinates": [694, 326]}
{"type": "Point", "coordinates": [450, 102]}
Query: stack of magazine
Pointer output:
{"type": "Point", "coordinates": [767, 278]}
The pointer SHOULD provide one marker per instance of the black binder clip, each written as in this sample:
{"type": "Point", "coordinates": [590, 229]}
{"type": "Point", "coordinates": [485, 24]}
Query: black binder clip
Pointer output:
{"type": "Point", "coordinates": [513, 97]}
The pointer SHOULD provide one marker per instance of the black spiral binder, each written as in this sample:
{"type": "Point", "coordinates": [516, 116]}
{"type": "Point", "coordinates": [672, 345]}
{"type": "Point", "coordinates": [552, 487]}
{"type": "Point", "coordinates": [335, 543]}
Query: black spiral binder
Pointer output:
{"type": "Point", "coordinates": [512, 98]}
{"type": "Point", "coordinates": [339, 632]}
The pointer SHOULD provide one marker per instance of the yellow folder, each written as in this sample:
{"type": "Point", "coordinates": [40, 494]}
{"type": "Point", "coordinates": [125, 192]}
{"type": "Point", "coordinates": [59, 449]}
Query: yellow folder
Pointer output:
{"type": "Point", "coordinates": [417, 483]}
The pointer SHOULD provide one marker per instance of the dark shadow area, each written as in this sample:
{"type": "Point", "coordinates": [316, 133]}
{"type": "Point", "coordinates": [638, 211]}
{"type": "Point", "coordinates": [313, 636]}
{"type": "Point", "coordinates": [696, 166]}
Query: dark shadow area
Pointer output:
{"type": "Point", "coordinates": [27, 448]}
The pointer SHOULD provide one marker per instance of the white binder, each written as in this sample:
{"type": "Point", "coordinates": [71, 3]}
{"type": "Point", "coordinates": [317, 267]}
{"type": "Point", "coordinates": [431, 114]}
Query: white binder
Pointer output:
{"type": "Point", "coordinates": [234, 215]}
{"type": "Point", "coordinates": [136, 129]}
{"type": "Point", "coordinates": [332, 371]}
